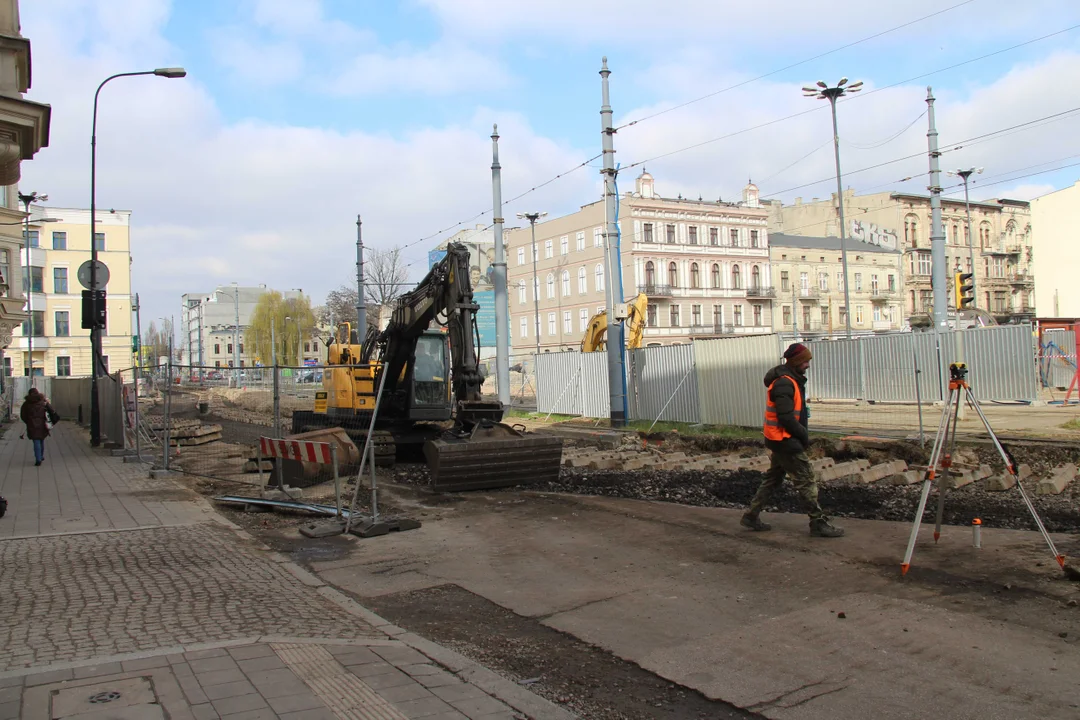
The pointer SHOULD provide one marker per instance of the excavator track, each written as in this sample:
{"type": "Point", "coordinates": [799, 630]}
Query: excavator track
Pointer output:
{"type": "Point", "coordinates": [494, 456]}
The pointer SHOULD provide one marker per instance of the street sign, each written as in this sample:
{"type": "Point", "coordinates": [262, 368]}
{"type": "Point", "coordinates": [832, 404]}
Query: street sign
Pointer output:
{"type": "Point", "coordinates": [102, 275]}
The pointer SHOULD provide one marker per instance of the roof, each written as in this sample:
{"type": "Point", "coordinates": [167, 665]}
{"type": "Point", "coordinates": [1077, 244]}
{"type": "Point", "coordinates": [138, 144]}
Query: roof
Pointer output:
{"type": "Point", "coordinates": [995, 204]}
{"type": "Point", "coordinates": [806, 242]}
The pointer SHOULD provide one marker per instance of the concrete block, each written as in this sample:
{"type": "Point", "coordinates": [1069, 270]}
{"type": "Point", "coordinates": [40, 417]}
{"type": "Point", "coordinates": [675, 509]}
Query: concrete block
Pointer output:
{"type": "Point", "coordinates": [839, 471]}
{"type": "Point", "coordinates": [882, 471]}
{"type": "Point", "coordinates": [1001, 482]}
{"type": "Point", "coordinates": [120, 452]}
{"type": "Point", "coordinates": [161, 474]}
{"type": "Point", "coordinates": [288, 495]}
{"type": "Point", "coordinates": [959, 477]}
{"type": "Point", "coordinates": [1024, 471]}
{"type": "Point", "coordinates": [822, 463]}
{"type": "Point", "coordinates": [608, 464]}
{"type": "Point", "coordinates": [908, 477]}
{"type": "Point", "coordinates": [1056, 483]}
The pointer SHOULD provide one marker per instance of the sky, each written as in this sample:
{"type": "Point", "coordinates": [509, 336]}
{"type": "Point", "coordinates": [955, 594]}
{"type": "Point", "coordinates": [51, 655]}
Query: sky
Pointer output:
{"type": "Point", "coordinates": [298, 115]}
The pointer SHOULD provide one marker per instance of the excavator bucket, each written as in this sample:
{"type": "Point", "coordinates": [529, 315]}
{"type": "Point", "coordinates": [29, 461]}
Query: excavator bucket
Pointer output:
{"type": "Point", "coordinates": [494, 455]}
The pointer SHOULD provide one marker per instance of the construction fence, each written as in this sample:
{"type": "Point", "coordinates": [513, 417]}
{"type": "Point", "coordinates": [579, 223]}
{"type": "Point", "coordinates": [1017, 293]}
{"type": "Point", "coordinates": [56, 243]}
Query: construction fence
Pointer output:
{"type": "Point", "coordinates": [880, 383]}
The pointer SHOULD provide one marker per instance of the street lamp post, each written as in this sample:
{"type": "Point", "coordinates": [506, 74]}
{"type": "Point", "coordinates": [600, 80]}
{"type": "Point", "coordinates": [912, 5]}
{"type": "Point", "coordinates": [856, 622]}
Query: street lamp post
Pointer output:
{"type": "Point", "coordinates": [95, 330]}
{"type": "Point", "coordinates": [532, 218]}
{"type": "Point", "coordinates": [824, 92]}
{"type": "Point", "coordinates": [26, 199]}
{"type": "Point", "coordinates": [964, 175]}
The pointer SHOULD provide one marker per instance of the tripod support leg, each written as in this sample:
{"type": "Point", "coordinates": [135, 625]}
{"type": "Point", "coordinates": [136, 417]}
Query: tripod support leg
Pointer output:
{"type": "Point", "coordinates": [931, 471]}
{"type": "Point", "coordinates": [944, 483]}
{"type": "Point", "coordinates": [1014, 471]}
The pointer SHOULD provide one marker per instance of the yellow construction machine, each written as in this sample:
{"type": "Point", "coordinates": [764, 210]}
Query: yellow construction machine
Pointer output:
{"type": "Point", "coordinates": [595, 338]}
{"type": "Point", "coordinates": [432, 377]}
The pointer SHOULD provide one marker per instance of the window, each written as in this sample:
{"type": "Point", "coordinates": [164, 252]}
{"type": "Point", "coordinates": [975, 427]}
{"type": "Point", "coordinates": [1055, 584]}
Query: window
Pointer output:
{"type": "Point", "coordinates": [753, 238]}
{"type": "Point", "coordinates": [874, 284]}
{"type": "Point", "coordinates": [999, 267]}
{"type": "Point", "coordinates": [673, 316]}
{"type": "Point", "coordinates": [523, 327]}
{"type": "Point", "coordinates": [650, 314]}
{"type": "Point", "coordinates": [757, 315]}
{"type": "Point", "coordinates": [38, 319]}
{"type": "Point", "coordinates": [647, 234]}
{"type": "Point", "coordinates": [892, 280]}
{"type": "Point", "coordinates": [911, 231]}
{"type": "Point", "coordinates": [62, 326]}
{"type": "Point", "coordinates": [804, 282]}
{"type": "Point", "coordinates": [564, 245]}
{"type": "Point", "coordinates": [713, 237]}
{"type": "Point", "coordinates": [314, 346]}
{"type": "Point", "coordinates": [31, 237]}
{"type": "Point", "coordinates": [5, 270]}
{"type": "Point", "coordinates": [583, 319]}
{"type": "Point", "coordinates": [695, 315]}
{"type": "Point", "coordinates": [35, 280]}
{"type": "Point", "coordinates": [521, 292]}
{"type": "Point", "coordinates": [598, 277]}
{"type": "Point", "coordinates": [521, 256]}
{"type": "Point", "coordinates": [650, 273]}
{"type": "Point", "coordinates": [924, 263]}
{"type": "Point", "coordinates": [718, 315]}
{"type": "Point", "coordinates": [877, 313]}
{"type": "Point", "coordinates": [695, 276]}
{"type": "Point", "coordinates": [692, 238]}
{"type": "Point", "coordinates": [787, 315]}
{"type": "Point", "coordinates": [551, 323]}
{"type": "Point", "coordinates": [736, 278]}
{"type": "Point", "coordinates": [548, 251]}
{"type": "Point", "coordinates": [670, 230]}
{"type": "Point", "coordinates": [858, 282]}
{"type": "Point", "coordinates": [63, 367]}
{"type": "Point", "coordinates": [580, 241]}
{"type": "Point", "coordinates": [550, 286]}
{"type": "Point", "coordinates": [59, 242]}
{"type": "Point", "coordinates": [984, 234]}
{"type": "Point", "coordinates": [858, 314]}
{"type": "Point", "coordinates": [567, 322]}
{"type": "Point", "coordinates": [956, 233]}
{"type": "Point", "coordinates": [217, 363]}
{"type": "Point", "coordinates": [734, 237]}
{"type": "Point", "coordinates": [566, 283]}
{"type": "Point", "coordinates": [823, 281]}
{"type": "Point", "coordinates": [582, 284]}
{"type": "Point", "coordinates": [673, 275]}
{"type": "Point", "coordinates": [843, 315]}
{"type": "Point", "coordinates": [785, 281]}
{"type": "Point", "coordinates": [99, 241]}
{"type": "Point", "coordinates": [755, 277]}
{"type": "Point", "coordinates": [60, 286]}
{"type": "Point", "coordinates": [217, 348]}
{"type": "Point", "coordinates": [716, 276]}
{"type": "Point", "coordinates": [230, 348]}
{"type": "Point", "coordinates": [840, 280]}
{"type": "Point", "coordinates": [824, 317]}
{"type": "Point", "coordinates": [598, 237]}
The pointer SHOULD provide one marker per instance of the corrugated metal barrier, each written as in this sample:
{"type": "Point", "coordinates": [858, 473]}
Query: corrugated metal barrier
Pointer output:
{"type": "Point", "coordinates": [664, 385]}
{"type": "Point", "coordinates": [730, 373]}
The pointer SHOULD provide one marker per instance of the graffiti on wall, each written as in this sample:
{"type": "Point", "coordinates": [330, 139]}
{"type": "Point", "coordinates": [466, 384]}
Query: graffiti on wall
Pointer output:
{"type": "Point", "coordinates": [872, 234]}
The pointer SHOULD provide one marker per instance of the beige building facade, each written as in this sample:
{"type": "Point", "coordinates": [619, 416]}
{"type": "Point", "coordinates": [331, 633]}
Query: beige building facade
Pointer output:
{"type": "Point", "coordinates": [1056, 217]}
{"type": "Point", "coordinates": [24, 130]}
{"type": "Point", "coordinates": [1002, 243]}
{"type": "Point", "coordinates": [49, 268]}
{"type": "Point", "coordinates": [808, 275]}
{"type": "Point", "coordinates": [703, 265]}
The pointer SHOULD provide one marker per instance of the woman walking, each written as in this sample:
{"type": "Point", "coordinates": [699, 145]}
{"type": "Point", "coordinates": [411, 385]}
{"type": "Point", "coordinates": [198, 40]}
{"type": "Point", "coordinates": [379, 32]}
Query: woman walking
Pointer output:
{"type": "Point", "coordinates": [36, 413]}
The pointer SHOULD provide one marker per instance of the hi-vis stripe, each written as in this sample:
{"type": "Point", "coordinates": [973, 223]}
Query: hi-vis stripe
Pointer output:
{"type": "Point", "coordinates": [316, 452]}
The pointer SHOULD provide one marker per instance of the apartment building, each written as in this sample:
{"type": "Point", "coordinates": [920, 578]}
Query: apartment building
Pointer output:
{"type": "Point", "coordinates": [208, 323]}
{"type": "Point", "coordinates": [24, 130]}
{"type": "Point", "coordinates": [52, 339]}
{"type": "Point", "coordinates": [1002, 243]}
{"type": "Point", "coordinates": [703, 265]}
{"type": "Point", "coordinates": [808, 275]}
{"type": "Point", "coordinates": [1056, 216]}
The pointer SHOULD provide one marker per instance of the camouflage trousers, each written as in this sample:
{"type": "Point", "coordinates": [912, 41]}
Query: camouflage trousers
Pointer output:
{"type": "Point", "coordinates": [797, 465]}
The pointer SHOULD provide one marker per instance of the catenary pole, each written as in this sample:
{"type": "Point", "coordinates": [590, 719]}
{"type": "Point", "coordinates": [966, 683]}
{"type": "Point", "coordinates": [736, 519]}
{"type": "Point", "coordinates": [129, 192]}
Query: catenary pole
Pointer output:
{"type": "Point", "coordinates": [612, 262]}
{"type": "Point", "coordinates": [502, 322]}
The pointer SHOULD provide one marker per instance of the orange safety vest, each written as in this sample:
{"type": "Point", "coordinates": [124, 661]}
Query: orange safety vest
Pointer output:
{"type": "Point", "coordinates": [773, 429]}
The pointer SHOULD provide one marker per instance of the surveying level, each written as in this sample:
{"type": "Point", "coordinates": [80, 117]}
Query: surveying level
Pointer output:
{"type": "Point", "coordinates": [939, 458]}
{"type": "Point", "coordinates": [964, 289]}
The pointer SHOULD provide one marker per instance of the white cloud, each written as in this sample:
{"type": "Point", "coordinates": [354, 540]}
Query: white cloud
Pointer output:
{"type": "Point", "coordinates": [264, 63]}
{"type": "Point", "coordinates": [442, 69]}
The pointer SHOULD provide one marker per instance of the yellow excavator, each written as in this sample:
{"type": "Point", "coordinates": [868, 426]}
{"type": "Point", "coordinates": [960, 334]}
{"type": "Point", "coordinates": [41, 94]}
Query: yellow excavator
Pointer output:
{"type": "Point", "coordinates": [432, 377]}
{"type": "Point", "coordinates": [595, 338]}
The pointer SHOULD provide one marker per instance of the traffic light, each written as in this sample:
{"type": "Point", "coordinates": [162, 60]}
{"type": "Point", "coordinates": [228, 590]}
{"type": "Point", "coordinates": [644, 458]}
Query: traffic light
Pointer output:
{"type": "Point", "coordinates": [134, 344]}
{"type": "Point", "coordinates": [964, 290]}
{"type": "Point", "coordinates": [93, 309]}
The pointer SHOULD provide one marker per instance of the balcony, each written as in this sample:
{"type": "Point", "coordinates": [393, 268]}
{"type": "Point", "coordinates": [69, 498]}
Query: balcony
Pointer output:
{"type": "Point", "coordinates": [711, 330]}
{"type": "Point", "coordinates": [812, 326]}
{"type": "Point", "coordinates": [761, 292]}
{"type": "Point", "coordinates": [656, 290]}
{"type": "Point", "coordinates": [883, 294]}
{"type": "Point", "coordinates": [808, 294]}
{"type": "Point", "coordinates": [1014, 249]}
{"type": "Point", "coordinates": [1021, 279]}
{"type": "Point", "coordinates": [882, 325]}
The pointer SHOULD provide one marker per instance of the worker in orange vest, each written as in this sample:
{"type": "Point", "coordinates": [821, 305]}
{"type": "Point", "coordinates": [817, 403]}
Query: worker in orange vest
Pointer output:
{"type": "Point", "coordinates": [786, 421]}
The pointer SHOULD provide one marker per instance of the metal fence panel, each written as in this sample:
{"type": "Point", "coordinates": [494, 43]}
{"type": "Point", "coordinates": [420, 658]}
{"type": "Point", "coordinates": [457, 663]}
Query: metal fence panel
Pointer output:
{"type": "Point", "coordinates": [70, 397]}
{"type": "Point", "coordinates": [1001, 361]}
{"type": "Point", "coordinates": [111, 409]}
{"type": "Point", "coordinates": [21, 385]}
{"type": "Point", "coordinates": [837, 369]}
{"type": "Point", "coordinates": [664, 385]}
{"type": "Point", "coordinates": [573, 383]}
{"type": "Point", "coordinates": [1057, 362]}
{"type": "Point", "coordinates": [729, 377]}
{"type": "Point", "coordinates": [593, 387]}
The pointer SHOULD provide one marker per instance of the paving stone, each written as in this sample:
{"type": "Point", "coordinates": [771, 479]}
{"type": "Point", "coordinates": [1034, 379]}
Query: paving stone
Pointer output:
{"type": "Point", "coordinates": [214, 664]}
{"type": "Point", "coordinates": [248, 652]}
{"type": "Point", "coordinates": [315, 714]}
{"type": "Point", "coordinates": [49, 677]}
{"type": "Point", "coordinates": [204, 654]}
{"type": "Point", "coordinates": [271, 662]}
{"type": "Point", "coordinates": [205, 711]}
{"type": "Point", "coordinates": [452, 693]}
{"type": "Point", "coordinates": [424, 707]}
{"type": "Point", "coordinates": [10, 710]}
{"type": "Point", "coordinates": [227, 690]}
{"type": "Point", "coordinates": [239, 703]}
{"type": "Point", "coordinates": [401, 655]}
{"type": "Point", "coordinates": [477, 706]}
{"type": "Point", "coordinates": [295, 703]}
{"type": "Point", "coordinates": [357, 656]}
{"type": "Point", "coordinates": [401, 693]}
{"type": "Point", "coordinates": [387, 680]}
{"type": "Point", "coordinates": [261, 714]}
{"type": "Point", "coordinates": [90, 671]}
{"type": "Point", "coordinates": [441, 680]}
{"type": "Point", "coordinates": [368, 669]}
{"type": "Point", "coordinates": [145, 664]}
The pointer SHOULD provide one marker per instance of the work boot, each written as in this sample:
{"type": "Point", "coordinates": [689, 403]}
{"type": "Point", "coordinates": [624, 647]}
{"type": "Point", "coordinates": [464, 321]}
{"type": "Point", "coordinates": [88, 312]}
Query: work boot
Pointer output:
{"type": "Point", "coordinates": [822, 528]}
{"type": "Point", "coordinates": [752, 521]}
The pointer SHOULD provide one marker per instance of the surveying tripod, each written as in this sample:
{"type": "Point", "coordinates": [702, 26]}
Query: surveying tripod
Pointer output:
{"type": "Point", "coordinates": [939, 457]}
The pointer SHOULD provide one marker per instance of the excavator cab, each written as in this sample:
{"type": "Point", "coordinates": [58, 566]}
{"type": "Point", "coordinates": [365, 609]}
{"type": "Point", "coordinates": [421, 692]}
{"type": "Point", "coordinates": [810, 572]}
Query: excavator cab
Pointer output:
{"type": "Point", "coordinates": [430, 386]}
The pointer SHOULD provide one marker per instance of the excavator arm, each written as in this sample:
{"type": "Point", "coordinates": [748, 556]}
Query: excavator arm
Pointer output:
{"type": "Point", "coordinates": [595, 338]}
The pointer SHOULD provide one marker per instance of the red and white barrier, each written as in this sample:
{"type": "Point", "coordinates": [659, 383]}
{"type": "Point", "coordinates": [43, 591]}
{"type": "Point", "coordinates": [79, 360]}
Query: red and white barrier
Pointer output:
{"type": "Point", "coordinates": [303, 450]}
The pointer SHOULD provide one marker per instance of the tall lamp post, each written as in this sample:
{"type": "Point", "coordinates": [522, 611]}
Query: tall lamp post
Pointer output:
{"type": "Point", "coordinates": [964, 175]}
{"type": "Point", "coordinates": [96, 295]}
{"type": "Point", "coordinates": [532, 218]}
{"type": "Point", "coordinates": [824, 92]}
{"type": "Point", "coordinates": [26, 199]}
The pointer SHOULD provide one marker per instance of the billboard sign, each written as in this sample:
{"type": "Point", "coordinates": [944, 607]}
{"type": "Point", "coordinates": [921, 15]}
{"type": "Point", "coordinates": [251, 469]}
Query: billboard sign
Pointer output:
{"type": "Point", "coordinates": [481, 257]}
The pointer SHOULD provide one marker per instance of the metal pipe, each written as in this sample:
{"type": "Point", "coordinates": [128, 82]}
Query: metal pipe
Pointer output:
{"type": "Point", "coordinates": [840, 208]}
{"type": "Point", "coordinates": [502, 321]}
{"type": "Point", "coordinates": [138, 336]}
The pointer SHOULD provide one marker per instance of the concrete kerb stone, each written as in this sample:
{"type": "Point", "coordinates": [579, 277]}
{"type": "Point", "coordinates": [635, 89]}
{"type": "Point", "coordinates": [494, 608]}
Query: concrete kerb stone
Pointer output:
{"type": "Point", "coordinates": [1058, 481]}
{"type": "Point", "coordinates": [882, 470]}
{"type": "Point", "coordinates": [908, 477]}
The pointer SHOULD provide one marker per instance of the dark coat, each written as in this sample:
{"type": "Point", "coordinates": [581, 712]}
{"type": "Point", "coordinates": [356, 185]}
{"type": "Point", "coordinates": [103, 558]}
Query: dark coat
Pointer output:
{"type": "Point", "coordinates": [35, 414]}
{"type": "Point", "coordinates": [783, 396]}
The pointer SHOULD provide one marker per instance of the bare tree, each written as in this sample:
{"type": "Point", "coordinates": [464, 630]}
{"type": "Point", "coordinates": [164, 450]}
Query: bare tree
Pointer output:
{"type": "Point", "coordinates": [385, 276]}
{"type": "Point", "coordinates": [340, 307]}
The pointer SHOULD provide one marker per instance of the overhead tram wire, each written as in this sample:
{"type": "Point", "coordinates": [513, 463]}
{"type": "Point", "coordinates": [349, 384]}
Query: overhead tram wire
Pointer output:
{"type": "Point", "coordinates": [888, 140]}
{"type": "Point", "coordinates": [852, 99]}
{"type": "Point", "coordinates": [793, 65]}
